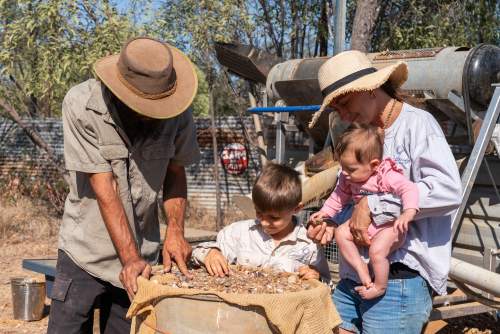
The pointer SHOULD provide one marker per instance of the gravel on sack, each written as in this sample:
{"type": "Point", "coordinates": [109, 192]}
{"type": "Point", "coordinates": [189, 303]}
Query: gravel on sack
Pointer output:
{"type": "Point", "coordinates": [241, 280]}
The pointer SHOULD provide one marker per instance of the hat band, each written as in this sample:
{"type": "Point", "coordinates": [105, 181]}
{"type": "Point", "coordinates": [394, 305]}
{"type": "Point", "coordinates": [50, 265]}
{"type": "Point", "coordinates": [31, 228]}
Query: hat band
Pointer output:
{"type": "Point", "coordinates": [347, 79]}
{"type": "Point", "coordinates": [170, 90]}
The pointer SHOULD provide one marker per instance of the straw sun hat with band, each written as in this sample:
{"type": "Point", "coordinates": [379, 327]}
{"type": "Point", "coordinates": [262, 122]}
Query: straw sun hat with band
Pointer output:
{"type": "Point", "coordinates": [151, 77]}
{"type": "Point", "coordinates": [352, 71]}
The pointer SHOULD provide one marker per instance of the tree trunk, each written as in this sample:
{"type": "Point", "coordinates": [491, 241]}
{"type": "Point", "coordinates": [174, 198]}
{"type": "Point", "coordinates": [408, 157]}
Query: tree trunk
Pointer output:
{"type": "Point", "coordinates": [367, 12]}
{"type": "Point", "coordinates": [322, 35]}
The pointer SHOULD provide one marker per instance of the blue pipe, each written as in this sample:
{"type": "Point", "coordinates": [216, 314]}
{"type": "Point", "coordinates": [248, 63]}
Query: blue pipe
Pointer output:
{"type": "Point", "coordinates": [283, 109]}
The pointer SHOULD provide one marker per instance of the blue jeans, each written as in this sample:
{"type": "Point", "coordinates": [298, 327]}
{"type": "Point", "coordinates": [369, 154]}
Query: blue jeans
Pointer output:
{"type": "Point", "coordinates": [404, 308]}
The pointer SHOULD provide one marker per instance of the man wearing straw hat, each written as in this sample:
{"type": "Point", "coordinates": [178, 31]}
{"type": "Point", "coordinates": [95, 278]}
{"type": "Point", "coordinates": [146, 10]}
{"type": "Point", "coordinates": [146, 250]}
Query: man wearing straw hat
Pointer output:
{"type": "Point", "coordinates": [127, 137]}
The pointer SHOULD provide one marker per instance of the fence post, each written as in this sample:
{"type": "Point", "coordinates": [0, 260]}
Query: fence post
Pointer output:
{"type": "Point", "coordinates": [218, 218]}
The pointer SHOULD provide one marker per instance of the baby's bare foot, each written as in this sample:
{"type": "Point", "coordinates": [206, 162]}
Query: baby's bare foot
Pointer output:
{"type": "Point", "coordinates": [371, 292]}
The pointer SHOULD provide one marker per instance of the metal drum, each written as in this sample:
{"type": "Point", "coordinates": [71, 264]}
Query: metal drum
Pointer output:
{"type": "Point", "coordinates": [28, 298]}
{"type": "Point", "coordinates": [204, 314]}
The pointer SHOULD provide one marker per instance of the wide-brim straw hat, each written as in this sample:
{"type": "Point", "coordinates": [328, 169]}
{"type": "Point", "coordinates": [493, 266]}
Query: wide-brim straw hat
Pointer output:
{"type": "Point", "coordinates": [352, 71]}
{"type": "Point", "coordinates": [151, 77]}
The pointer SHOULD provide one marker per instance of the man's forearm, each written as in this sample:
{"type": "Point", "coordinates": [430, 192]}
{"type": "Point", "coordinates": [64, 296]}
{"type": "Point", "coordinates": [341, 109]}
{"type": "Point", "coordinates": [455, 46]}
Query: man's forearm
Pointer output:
{"type": "Point", "coordinates": [175, 209]}
{"type": "Point", "coordinates": [175, 194]}
{"type": "Point", "coordinates": [176, 247]}
{"type": "Point", "coordinates": [114, 216]}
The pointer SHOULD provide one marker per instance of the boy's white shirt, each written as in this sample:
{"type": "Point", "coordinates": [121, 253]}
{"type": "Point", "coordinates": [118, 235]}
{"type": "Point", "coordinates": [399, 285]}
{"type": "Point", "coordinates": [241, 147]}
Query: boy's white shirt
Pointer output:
{"type": "Point", "coordinates": [246, 243]}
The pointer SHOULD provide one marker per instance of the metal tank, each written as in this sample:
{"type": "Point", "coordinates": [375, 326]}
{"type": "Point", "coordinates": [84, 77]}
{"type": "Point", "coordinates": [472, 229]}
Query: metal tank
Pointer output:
{"type": "Point", "coordinates": [437, 71]}
{"type": "Point", "coordinates": [433, 74]}
{"type": "Point", "coordinates": [440, 70]}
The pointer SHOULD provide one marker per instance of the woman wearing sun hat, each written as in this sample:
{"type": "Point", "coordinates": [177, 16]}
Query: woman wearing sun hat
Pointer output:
{"type": "Point", "coordinates": [361, 93]}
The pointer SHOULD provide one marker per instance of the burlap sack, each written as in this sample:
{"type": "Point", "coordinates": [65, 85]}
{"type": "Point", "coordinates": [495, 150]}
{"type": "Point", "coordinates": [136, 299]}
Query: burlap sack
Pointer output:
{"type": "Point", "coordinates": [306, 312]}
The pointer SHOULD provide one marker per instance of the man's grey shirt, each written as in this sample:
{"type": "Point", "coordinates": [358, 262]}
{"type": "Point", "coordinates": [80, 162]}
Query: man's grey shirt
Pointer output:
{"type": "Point", "coordinates": [93, 143]}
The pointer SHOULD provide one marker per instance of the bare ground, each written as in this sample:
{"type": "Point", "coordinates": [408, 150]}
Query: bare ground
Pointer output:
{"type": "Point", "coordinates": [28, 230]}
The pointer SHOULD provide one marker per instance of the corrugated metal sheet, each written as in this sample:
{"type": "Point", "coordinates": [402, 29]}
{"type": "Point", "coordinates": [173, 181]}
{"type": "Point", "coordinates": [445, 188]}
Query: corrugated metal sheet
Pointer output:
{"type": "Point", "coordinates": [19, 155]}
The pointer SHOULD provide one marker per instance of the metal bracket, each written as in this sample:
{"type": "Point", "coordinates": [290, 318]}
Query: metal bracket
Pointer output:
{"type": "Point", "coordinates": [476, 158]}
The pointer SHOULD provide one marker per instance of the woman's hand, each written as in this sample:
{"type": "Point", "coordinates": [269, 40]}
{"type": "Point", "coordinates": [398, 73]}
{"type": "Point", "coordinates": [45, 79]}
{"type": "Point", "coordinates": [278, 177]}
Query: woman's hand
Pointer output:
{"type": "Point", "coordinates": [360, 220]}
{"type": "Point", "coordinates": [216, 263]}
{"type": "Point", "coordinates": [322, 234]}
{"type": "Point", "coordinates": [308, 272]}
{"type": "Point", "coordinates": [318, 230]}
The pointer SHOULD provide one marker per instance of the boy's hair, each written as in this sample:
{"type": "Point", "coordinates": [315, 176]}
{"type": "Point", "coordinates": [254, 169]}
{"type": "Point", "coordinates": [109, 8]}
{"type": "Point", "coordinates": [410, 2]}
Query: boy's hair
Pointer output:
{"type": "Point", "coordinates": [277, 188]}
{"type": "Point", "coordinates": [363, 140]}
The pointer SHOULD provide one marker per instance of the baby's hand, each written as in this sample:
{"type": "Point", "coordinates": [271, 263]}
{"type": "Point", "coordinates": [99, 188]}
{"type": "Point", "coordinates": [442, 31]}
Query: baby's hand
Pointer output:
{"type": "Point", "coordinates": [401, 224]}
{"type": "Point", "coordinates": [216, 263]}
{"type": "Point", "coordinates": [308, 272]}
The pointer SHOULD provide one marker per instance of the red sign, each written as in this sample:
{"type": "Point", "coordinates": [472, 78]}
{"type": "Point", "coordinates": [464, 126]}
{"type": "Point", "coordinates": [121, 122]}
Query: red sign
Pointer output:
{"type": "Point", "coordinates": [234, 158]}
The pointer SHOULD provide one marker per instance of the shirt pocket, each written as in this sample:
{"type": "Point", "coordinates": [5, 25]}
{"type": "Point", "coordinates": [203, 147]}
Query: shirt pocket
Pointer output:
{"type": "Point", "coordinates": [118, 155]}
{"type": "Point", "coordinates": [154, 164]}
{"type": "Point", "coordinates": [113, 151]}
{"type": "Point", "coordinates": [301, 255]}
{"type": "Point", "coordinates": [158, 152]}
{"type": "Point", "coordinates": [249, 258]}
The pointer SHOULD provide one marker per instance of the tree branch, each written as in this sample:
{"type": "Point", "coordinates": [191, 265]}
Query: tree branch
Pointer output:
{"type": "Point", "coordinates": [34, 136]}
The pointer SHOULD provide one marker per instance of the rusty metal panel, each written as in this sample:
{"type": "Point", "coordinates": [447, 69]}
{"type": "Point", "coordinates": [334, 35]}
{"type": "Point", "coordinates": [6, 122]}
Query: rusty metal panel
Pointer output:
{"type": "Point", "coordinates": [247, 61]}
{"type": "Point", "coordinates": [408, 54]}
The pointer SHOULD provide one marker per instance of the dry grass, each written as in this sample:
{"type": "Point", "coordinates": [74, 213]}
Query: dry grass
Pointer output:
{"type": "Point", "coordinates": [29, 230]}
{"type": "Point", "coordinates": [203, 219]}
{"type": "Point", "coordinates": [22, 221]}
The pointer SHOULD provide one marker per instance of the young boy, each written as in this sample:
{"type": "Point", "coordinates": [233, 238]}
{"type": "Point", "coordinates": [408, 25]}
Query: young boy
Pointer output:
{"type": "Point", "coordinates": [275, 239]}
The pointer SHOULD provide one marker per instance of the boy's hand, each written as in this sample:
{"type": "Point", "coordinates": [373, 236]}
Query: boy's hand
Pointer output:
{"type": "Point", "coordinates": [216, 263]}
{"type": "Point", "coordinates": [308, 272]}
{"type": "Point", "coordinates": [401, 224]}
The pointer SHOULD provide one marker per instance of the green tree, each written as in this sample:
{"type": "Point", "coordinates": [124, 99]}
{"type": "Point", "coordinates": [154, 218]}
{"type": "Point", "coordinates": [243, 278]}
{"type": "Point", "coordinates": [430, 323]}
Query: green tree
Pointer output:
{"type": "Point", "coordinates": [194, 27]}
{"type": "Point", "coordinates": [48, 46]}
{"type": "Point", "coordinates": [412, 24]}
{"type": "Point", "coordinates": [201, 104]}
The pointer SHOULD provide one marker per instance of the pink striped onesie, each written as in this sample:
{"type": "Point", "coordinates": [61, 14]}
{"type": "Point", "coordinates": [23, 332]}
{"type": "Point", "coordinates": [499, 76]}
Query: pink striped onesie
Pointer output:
{"type": "Point", "coordinates": [388, 178]}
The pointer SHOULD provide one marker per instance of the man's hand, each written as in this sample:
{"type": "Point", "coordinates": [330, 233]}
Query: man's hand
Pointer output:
{"type": "Point", "coordinates": [131, 270]}
{"type": "Point", "coordinates": [174, 195]}
{"type": "Point", "coordinates": [308, 272]}
{"type": "Point", "coordinates": [176, 248]}
{"type": "Point", "coordinates": [360, 220]}
{"type": "Point", "coordinates": [216, 263]}
{"type": "Point", "coordinates": [401, 224]}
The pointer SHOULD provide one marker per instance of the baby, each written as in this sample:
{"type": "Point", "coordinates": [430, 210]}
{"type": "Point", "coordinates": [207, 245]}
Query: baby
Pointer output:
{"type": "Point", "coordinates": [275, 239]}
{"type": "Point", "coordinates": [364, 172]}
